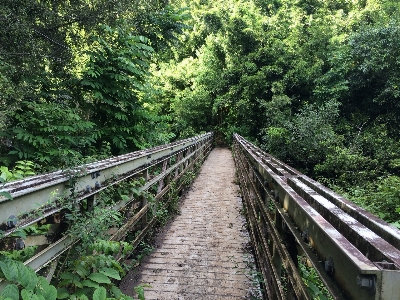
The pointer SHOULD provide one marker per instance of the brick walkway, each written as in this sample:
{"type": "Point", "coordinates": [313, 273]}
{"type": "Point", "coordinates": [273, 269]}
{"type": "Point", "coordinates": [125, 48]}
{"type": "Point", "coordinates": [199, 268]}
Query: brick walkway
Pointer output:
{"type": "Point", "coordinates": [202, 254]}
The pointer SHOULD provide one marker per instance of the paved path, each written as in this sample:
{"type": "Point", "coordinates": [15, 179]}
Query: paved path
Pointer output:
{"type": "Point", "coordinates": [203, 253]}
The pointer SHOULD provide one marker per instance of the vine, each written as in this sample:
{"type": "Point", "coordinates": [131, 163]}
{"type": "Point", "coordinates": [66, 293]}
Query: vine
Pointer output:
{"type": "Point", "coordinates": [311, 279]}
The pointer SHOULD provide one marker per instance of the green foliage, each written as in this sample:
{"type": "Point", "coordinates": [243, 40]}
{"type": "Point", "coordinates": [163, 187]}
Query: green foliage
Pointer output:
{"type": "Point", "coordinates": [70, 86]}
{"type": "Point", "coordinates": [92, 225]}
{"type": "Point", "coordinates": [312, 82]}
{"type": "Point", "coordinates": [114, 73]}
{"type": "Point", "coordinates": [50, 133]}
{"type": "Point", "coordinates": [315, 286]}
{"type": "Point", "coordinates": [381, 197]}
{"type": "Point", "coordinates": [110, 247]}
{"type": "Point", "coordinates": [188, 178]}
{"type": "Point", "coordinates": [24, 282]}
{"type": "Point", "coordinates": [22, 169]}
{"type": "Point", "coordinates": [307, 138]}
{"type": "Point", "coordinates": [140, 290]}
{"type": "Point", "coordinates": [20, 255]}
{"type": "Point", "coordinates": [93, 275]}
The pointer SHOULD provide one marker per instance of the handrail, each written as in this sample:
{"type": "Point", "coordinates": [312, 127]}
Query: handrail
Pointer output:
{"type": "Point", "coordinates": [45, 189]}
{"type": "Point", "coordinates": [356, 254]}
{"type": "Point", "coordinates": [161, 166]}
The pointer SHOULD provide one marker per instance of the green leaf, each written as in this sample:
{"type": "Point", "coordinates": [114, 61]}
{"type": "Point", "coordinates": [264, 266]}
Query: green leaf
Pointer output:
{"type": "Point", "coordinates": [100, 278]}
{"type": "Point", "coordinates": [7, 195]}
{"type": "Point", "coordinates": [50, 292]}
{"type": "Point", "coordinates": [322, 297]}
{"type": "Point", "coordinates": [46, 290]}
{"type": "Point", "coordinates": [10, 291]}
{"type": "Point", "coordinates": [67, 276]}
{"type": "Point", "coordinates": [100, 294]}
{"type": "Point", "coordinates": [315, 290]}
{"type": "Point", "coordinates": [116, 292]}
{"type": "Point", "coordinates": [29, 295]}
{"type": "Point", "coordinates": [9, 269]}
{"type": "Point", "coordinates": [82, 270]}
{"type": "Point", "coordinates": [20, 233]}
{"type": "Point", "coordinates": [62, 293]}
{"type": "Point", "coordinates": [110, 273]}
{"type": "Point", "coordinates": [80, 294]}
{"type": "Point", "coordinates": [26, 276]}
{"type": "Point", "coordinates": [90, 283]}
{"type": "Point", "coordinates": [140, 290]}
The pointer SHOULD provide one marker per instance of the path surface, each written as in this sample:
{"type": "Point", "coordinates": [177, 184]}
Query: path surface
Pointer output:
{"type": "Point", "coordinates": [203, 253]}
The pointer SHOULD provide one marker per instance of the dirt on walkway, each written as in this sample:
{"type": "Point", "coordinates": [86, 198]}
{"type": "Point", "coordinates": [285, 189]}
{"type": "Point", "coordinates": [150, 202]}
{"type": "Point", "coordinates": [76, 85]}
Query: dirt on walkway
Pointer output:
{"type": "Point", "coordinates": [204, 253]}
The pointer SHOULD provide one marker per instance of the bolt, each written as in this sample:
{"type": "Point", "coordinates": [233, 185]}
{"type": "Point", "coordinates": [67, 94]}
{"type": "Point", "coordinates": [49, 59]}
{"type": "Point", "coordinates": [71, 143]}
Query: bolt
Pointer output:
{"type": "Point", "coordinates": [367, 282]}
{"type": "Point", "coordinates": [385, 265]}
{"type": "Point", "coordinates": [284, 226]}
{"type": "Point", "coordinates": [88, 189]}
{"type": "Point", "coordinates": [19, 244]}
{"type": "Point", "coordinates": [97, 185]}
{"type": "Point", "coordinates": [97, 174]}
{"type": "Point", "coordinates": [12, 221]}
{"type": "Point", "coordinates": [305, 236]}
{"type": "Point", "coordinates": [329, 266]}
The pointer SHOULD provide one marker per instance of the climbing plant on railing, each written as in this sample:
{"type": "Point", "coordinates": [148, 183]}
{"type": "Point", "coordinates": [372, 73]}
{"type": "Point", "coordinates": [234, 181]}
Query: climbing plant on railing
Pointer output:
{"type": "Point", "coordinates": [95, 274]}
{"type": "Point", "coordinates": [22, 169]}
{"type": "Point", "coordinates": [24, 282]}
{"type": "Point", "coordinates": [88, 277]}
{"type": "Point", "coordinates": [311, 279]}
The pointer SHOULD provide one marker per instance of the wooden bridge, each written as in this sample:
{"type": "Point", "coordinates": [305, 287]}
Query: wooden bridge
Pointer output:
{"type": "Point", "coordinates": [246, 225]}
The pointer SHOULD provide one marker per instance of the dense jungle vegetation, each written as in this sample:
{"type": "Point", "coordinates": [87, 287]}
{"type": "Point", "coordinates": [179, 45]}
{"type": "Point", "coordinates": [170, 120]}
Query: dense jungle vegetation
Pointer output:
{"type": "Point", "coordinates": [314, 82]}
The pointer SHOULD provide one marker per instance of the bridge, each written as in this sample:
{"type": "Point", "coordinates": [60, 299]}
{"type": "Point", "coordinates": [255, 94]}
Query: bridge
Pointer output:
{"type": "Point", "coordinates": [248, 225]}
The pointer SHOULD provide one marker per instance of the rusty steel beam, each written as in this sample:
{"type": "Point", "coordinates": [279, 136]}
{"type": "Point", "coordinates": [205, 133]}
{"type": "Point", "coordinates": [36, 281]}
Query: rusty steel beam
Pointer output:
{"type": "Point", "coordinates": [358, 252]}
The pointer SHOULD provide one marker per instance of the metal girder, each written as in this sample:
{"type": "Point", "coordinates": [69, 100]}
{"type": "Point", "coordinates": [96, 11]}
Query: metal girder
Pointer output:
{"type": "Point", "coordinates": [380, 227]}
{"type": "Point", "coordinates": [195, 152]}
{"type": "Point", "coordinates": [41, 192]}
{"type": "Point", "coordinates": [359, 252]}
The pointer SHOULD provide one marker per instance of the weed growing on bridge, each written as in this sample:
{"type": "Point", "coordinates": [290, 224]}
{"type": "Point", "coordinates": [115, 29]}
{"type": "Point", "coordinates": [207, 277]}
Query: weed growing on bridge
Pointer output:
{"type": "Point", "coordinates": [144, 249]}
{"type": "Point", "coordinates": [20, 255]}
{"type": "Point", "coordinates": [256, 278]}
{"type": "Point", "coordinates": [89, 276]}
{"type": "Point", "coordinates": [173, 199]}
{"type": "Point", "coordinates": [315, 286]}
{"type": "Point", "coordinates": [95, 274]}
{"type": "Point", "coordinates": [140, 290]}
{"type": "Point", "coordinates": [91, 269]}
{"type": "Point", "coordinates": [188, 177]}
{"type": "Point", "coordinates": [24, 281]}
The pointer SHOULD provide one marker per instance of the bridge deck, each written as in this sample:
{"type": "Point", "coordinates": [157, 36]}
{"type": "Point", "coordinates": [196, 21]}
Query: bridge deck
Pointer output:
{"type": "Point", "coordinates": [203, 253]}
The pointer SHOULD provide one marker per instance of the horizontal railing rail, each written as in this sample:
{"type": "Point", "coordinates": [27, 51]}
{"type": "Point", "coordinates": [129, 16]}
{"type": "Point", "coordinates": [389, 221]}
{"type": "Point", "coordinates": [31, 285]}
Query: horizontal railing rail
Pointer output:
{"type": "Point", "coordinates": [356, 254]}
{"type": "Point", "coordinates": [42, 199]}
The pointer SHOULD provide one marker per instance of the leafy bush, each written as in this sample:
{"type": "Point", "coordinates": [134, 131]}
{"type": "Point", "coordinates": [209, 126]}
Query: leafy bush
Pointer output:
{"type": "Point", "coordinates": [50, 133]}
{"type": "Point", "coordinates": [306, 138]}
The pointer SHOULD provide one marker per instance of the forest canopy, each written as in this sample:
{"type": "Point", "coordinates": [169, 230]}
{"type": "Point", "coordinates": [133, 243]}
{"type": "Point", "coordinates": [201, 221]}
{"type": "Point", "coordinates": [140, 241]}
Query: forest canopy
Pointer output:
{"type": "Point", "coordinates": [314, 82]}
